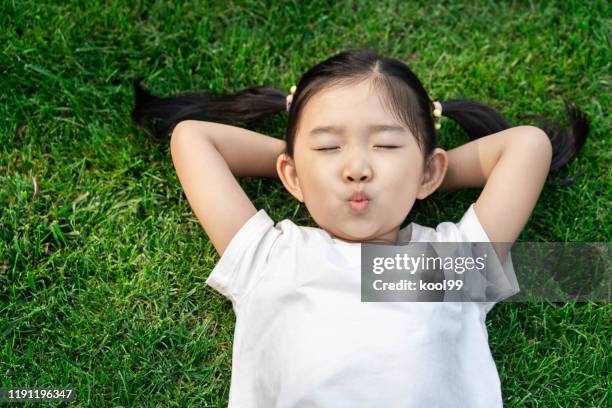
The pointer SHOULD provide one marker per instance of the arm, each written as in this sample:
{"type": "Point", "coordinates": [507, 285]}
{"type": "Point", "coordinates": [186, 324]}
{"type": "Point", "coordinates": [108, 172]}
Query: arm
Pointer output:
{"type": "Point", "coordinates": [512, 165]}
{"type": "Point", "coordinates": [471, 164]}
{"type": "Point", "coordinates": [208, 157]}
{"type": "Point", "coordinates": [247, 153]}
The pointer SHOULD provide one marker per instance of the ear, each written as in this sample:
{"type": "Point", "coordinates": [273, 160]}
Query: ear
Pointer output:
{"type": "Point", "coordinates": [285, 167]}
{"type": "Point", "coordinates": [433, 173]}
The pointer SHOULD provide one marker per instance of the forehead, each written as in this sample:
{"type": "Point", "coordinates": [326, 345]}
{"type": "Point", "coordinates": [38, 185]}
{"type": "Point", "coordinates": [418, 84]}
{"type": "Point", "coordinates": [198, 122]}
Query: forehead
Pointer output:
{"type": "Point", "coordinates": [349, 106]}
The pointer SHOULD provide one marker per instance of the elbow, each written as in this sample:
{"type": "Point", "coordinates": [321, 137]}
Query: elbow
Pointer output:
{"type": "Point", "coordinates": [180, 132]}
{"type": "Point", "coordinates": [537, 141]}
{"type": "Point", "coordinates": [184, 130]}
{"type": "Point", "coordinates": [179, 128]}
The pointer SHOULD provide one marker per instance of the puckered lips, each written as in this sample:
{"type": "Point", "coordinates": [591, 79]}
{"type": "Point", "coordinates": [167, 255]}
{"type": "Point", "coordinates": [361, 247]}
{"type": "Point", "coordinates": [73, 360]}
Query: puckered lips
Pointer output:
{"type": "Point", "coordinates": [358, 201]}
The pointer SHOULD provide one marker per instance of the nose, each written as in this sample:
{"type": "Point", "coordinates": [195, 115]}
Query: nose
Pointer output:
{"type": "Point", "coordinates": [357, 168]}
{"type": "Point", "coordinates": [352, 177]}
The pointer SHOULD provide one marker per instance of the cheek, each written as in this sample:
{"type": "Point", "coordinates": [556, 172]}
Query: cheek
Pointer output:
{"type": "Point", "coordinates": [315, 182]}
{"type": "Point", "coordinates": [396, 173]}
{"type": "Point", "coordinates": [319, 173]}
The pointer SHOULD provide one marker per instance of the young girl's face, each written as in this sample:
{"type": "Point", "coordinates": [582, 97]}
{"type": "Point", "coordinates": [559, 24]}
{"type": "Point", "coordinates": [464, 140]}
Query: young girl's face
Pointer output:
{"type": "Point", "coordinates": [357, 161]}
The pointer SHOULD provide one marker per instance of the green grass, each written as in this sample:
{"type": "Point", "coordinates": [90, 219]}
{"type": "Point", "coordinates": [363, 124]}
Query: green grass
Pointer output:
{"type": "Point", "coordinates": [102, 272]}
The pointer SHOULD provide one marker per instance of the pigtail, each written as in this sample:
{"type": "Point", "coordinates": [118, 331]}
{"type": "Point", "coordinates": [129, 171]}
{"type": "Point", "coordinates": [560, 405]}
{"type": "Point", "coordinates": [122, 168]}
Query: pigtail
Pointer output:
{"type": "Point", "coordinates": [159, 115]}
{"type": "Point", "coordinates": [479, 120]}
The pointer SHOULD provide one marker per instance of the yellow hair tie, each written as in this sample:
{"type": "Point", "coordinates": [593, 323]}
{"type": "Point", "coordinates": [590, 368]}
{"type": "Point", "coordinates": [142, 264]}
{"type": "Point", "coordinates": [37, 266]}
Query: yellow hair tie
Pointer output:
{"type": "Point", "coordinates": [437, 113]}
{"type": "Point", "coordinates": [289, 98]}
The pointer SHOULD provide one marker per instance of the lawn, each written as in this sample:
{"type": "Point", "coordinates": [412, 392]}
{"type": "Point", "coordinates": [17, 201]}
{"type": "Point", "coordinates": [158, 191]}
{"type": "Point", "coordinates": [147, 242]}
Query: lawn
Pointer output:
{"type": "Point", "coordinates": [103, 263]}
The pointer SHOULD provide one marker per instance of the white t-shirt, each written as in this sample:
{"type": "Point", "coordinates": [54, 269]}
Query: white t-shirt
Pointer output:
{"type": "Point", "coordinates": [303, 338]}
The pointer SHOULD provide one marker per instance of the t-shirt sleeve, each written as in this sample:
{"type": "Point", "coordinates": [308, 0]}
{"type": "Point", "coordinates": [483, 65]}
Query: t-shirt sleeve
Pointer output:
{"type": "Point", "coordinates": [500, 280]}
{"type": "Point", "coordinates": [245, 258]}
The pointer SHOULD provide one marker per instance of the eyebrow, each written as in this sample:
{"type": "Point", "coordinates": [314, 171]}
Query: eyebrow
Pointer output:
{"type": "Point", "coordinates": [340, 130]}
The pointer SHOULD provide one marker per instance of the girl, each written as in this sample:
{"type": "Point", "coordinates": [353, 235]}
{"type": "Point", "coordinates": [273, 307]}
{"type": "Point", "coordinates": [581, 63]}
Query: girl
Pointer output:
{"type": "Point", "coordinates": [361, 148]}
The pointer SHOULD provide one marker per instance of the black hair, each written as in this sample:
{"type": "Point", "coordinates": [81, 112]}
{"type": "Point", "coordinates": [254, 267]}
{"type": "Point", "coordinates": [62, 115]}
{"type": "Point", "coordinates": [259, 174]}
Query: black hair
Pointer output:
{"type": "Point", "coordinates": [401, 91]}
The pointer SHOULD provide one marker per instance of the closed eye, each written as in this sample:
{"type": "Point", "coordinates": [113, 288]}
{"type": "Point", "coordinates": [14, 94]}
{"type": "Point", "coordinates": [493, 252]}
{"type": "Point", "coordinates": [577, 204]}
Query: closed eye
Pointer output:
{"type": "Point", "coordinates": [333, 148]}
